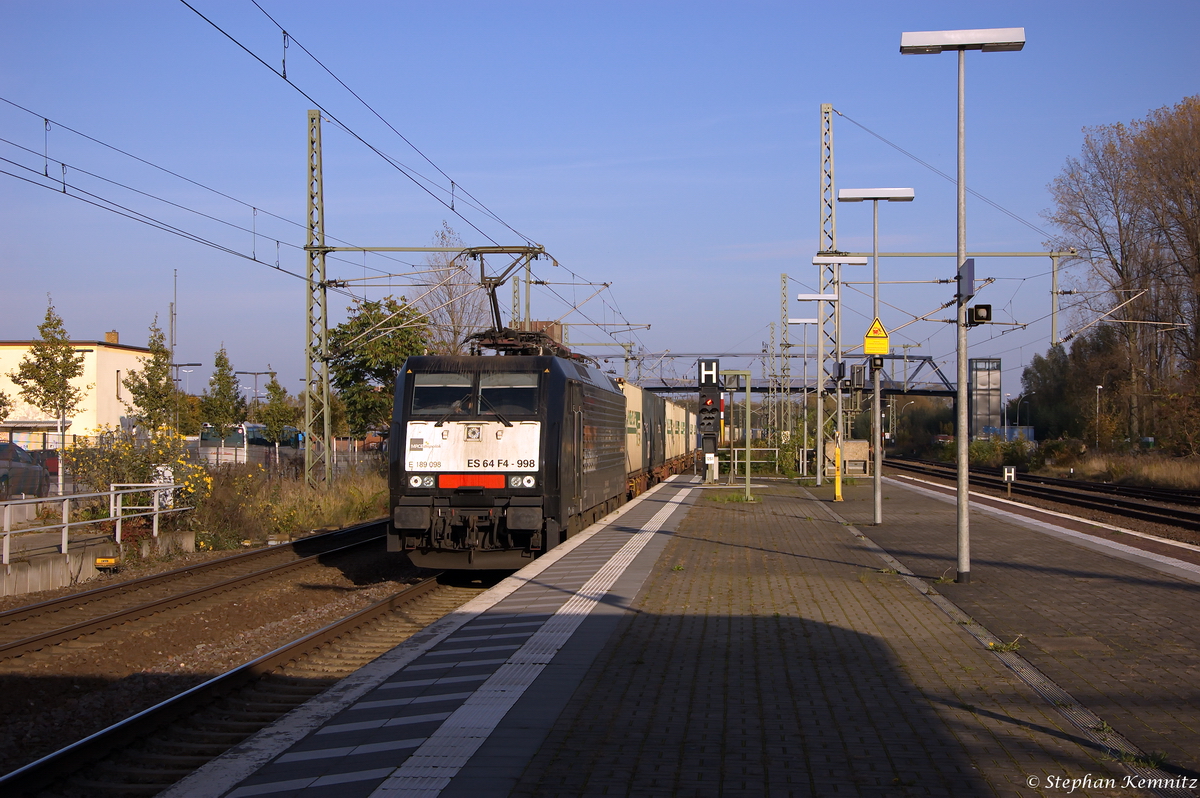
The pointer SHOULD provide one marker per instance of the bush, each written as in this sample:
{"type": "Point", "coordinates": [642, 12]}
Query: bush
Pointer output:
{"type": "Point", "coordinates": [117, 457]}
{"type": "Point", "coordinates": [245, 503]}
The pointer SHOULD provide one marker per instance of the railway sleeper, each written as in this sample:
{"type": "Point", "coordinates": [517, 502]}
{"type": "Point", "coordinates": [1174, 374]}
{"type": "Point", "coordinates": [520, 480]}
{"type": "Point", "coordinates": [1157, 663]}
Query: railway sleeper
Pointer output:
{"type": "Point", "coordinates": [204, 737]}
{"type": "Point", "coordinates": [164, 758]}
{"type": "Point", "coordinates": [251, 716]}
{"type": "Point", "coordinates": [92, 787]}
{"type": "Point", "coordinates": [232, 727]}
{"type": "Point", "coordinates": [206, 750]}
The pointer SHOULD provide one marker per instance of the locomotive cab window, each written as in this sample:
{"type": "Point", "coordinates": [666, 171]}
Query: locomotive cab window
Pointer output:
{"type": "Point", "coordinates": [475, 395]}
{"type": "Point", "coordinates": [438, 394]}
{"type": "Point", "coordinates": [511, 394]}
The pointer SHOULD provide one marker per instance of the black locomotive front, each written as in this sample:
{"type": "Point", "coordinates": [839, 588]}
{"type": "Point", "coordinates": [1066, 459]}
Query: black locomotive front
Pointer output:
{"type": "Point", "coordinates": [496, 459]}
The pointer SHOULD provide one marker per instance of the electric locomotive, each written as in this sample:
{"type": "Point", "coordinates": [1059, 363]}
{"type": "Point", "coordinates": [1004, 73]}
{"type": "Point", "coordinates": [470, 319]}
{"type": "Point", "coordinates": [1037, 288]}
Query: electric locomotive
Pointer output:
{"type": "Point", "coordinates": [494, 459]}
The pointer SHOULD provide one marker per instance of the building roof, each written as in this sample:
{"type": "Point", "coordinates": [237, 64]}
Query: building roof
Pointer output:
{"type": "Point", "coordinates": [105, 344]}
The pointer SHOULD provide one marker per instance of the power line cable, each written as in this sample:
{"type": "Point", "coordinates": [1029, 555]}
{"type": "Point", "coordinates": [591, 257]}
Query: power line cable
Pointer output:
{"type": "Point", "coordinates": [333, 118]}
{"type": "Point", "coordinates": [453, 184]}
{"type": "Point", "coordinates": [937, 171]}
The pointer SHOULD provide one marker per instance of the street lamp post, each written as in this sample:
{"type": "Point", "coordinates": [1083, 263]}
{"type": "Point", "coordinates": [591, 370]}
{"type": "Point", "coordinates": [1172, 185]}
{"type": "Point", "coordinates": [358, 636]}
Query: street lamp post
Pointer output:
{"type": "Point", "coordinates": [1099, 388]}
{"type": "Point", "coordinates": [896, 418]}
{"type": "Point", "coordinates": [1007, 401]}
{"type": "Point", "coordinates": [256, 375]}
{"type": "Point", "coordinates": [987, 40]}
{"type": "Point", "coordinates": [177, 367]}
{"type": "Point", "coordinates": [1024, 401]}
{"type": "Point", "coordinates": [875, 195]}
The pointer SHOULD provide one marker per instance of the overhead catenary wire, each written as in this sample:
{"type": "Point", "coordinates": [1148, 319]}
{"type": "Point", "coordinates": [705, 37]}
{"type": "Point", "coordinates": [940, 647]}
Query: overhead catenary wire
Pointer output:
{"type": "Point", "coordinates": [408, 173]}
{"type": "Point", "coordinates": [940, 173]}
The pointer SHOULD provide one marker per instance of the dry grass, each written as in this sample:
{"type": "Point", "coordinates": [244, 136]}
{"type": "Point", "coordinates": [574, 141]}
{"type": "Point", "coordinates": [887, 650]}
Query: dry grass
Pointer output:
{"type": "Point", "coordinates": [244, 504]}
{"type": "Point", "coordinates": [1148, 470]}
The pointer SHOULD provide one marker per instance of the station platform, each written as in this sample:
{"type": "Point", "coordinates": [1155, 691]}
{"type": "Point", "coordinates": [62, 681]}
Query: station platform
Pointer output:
{"type": "Point", "coordinates": [697, 645]}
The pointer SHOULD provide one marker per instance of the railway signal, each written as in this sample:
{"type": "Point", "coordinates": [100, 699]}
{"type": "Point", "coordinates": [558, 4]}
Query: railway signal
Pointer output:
{"type": "Point", "coordinates": [708, 418]}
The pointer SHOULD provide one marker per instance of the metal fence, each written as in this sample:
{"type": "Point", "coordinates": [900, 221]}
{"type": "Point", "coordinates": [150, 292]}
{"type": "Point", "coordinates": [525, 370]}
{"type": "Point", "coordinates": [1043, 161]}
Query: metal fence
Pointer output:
{"type": "Point", "coordinates": [160, 502]}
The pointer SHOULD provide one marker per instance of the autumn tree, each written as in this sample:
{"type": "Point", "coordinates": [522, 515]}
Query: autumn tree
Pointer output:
{"type": "Point", "coordinates": [152, 391]}
{"type": "Point", "coordinates": [222, 405]}
{"type": "Point", "coordinates": [44, 376]}
{"type": "Point", "coordinates": [452, 299]}
{"type": "Point", "coordinates": [5, 405]}
{"type": "Point", "coordinates": [367, 351]}
{"type": "Point", "coordinates": [278, 412]}
{"type": "Point", "coordinates": [1166, 163]}
{"type": "Point", "coordinates": [1130, 205]}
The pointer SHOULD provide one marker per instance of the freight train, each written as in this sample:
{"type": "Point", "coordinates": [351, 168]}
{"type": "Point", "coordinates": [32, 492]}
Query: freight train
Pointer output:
{"type": "Point", "coordinates": [495, 459]}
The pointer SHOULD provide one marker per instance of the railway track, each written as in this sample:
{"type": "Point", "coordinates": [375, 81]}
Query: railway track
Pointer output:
{"type": "Point", "coordinates": [1143, 504]}
{"type": "Point", "coordinates": [152, 750]}
{"type": "Point", "coordinates": [37, 626]}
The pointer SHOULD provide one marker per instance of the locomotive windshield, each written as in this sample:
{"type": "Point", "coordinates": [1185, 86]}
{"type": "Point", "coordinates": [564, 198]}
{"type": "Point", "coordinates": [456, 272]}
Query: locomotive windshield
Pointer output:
{"type": "Point", "coordinates": [511, 394]}
{"type": "Point", "coordinates": [494, 394]}
{"type": "Point", "coordinates": [436, 394]}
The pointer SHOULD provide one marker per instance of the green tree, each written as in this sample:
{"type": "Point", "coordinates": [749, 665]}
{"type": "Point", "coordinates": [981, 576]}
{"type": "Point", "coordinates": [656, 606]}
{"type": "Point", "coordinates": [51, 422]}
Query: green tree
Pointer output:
{"type": "Point", "coordinates": [191, 416]}
{"type": "Point", "coordinates": [222, 406]}
{"type": "Point", "coordinates": [151, 389]}
{"type": "Point", "coordinates": [368, 350]}
{"type": "Point", "coordinates": [278, 412]}
{"type": "Point", "coordinates": [44, 375]}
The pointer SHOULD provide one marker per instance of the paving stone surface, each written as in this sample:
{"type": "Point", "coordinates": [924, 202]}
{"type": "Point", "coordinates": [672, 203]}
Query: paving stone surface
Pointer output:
{"type": "Point", "coordinates": [768, 655]}
{"type": "Point", "coordinates": [1121, 637]}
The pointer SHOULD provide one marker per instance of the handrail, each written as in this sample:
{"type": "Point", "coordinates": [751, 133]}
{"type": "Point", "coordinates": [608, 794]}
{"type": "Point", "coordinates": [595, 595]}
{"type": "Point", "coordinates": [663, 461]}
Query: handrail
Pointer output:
{"type": "Point", "coordinates": [116, 500]}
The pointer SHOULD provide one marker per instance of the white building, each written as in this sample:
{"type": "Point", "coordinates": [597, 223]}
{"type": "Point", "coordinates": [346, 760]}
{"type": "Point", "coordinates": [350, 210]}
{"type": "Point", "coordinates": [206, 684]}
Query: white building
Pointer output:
{"type": "Point", "coordinates": [105, 364]}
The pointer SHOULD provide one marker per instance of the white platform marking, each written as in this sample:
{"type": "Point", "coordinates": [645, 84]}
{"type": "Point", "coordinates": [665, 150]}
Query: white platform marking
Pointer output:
{"type": "Point", "coordinates": [427, 772]}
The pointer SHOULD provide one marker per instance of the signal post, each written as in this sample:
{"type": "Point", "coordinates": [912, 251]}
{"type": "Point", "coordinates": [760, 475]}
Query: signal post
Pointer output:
{"type": "Point", "coordinates": [708, 418]}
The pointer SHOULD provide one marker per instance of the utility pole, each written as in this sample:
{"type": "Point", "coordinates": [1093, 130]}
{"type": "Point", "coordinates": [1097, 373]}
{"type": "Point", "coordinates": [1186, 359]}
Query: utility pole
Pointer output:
{"type": "Point", "coordinates": [828, 238]}
{"type": "Point", "coordinates": [318, 462]}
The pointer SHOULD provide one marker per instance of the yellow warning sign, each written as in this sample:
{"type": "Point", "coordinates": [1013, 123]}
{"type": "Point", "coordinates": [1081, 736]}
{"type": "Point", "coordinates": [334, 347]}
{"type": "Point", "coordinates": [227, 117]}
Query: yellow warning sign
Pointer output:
{"type": "Point", "coordinates": [875, 342]}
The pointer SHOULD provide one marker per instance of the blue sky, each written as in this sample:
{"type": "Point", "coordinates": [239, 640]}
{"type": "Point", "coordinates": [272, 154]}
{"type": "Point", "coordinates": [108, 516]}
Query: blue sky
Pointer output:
{"type": "Point", "coordinates": [671, 149]}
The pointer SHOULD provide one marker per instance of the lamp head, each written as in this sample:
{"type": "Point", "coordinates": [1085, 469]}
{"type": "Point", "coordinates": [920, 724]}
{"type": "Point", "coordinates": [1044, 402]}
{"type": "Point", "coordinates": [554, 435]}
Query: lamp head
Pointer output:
{"type": "Point", "coordinates": [989, 40]}
{"type": "Point", "coordinates": [862, 194]}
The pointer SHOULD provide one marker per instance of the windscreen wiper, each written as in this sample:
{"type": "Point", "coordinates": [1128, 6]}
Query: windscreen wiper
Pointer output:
{"type": "Point", "coordinates": [503, 420]}
{"type": "Point", "coordinates": [455, 409]}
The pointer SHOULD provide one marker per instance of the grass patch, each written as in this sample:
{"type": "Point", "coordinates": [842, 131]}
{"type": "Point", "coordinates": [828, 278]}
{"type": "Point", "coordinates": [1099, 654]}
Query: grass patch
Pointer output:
{"type": "Point", "coordinates": [1015, 645]}
{"type": "Point", "coordinates": [727, 497]}
{"type": "Point", "coordinates": [1160, 471]}
{"type": "Point", "coordinates": [1151, 760]}
{"type": "Point", "coordinates": [244, 503]}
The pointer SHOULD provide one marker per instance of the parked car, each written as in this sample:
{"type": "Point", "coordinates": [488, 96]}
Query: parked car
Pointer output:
{"type": "Point", "coordinates": [47, 458]}
{"type": "Point", "coordinates": [19, 474]}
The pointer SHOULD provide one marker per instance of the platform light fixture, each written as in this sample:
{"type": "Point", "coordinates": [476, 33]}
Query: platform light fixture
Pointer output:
{"type": "Point", "coordinates": [874, 196]}
{"type": "Point", "coordinates": [926, 42]}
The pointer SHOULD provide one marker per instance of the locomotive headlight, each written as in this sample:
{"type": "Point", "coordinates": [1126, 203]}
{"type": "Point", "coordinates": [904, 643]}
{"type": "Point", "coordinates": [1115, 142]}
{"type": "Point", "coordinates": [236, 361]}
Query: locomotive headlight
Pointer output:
{"type": "Point", "coordinates": [427, 482]}
{"type": "Point", "coordinates": [514, 482]}
{"type": "Point", "coordinates": [414, 481]}
{"type": "Point", "coordinates": [528, 481]}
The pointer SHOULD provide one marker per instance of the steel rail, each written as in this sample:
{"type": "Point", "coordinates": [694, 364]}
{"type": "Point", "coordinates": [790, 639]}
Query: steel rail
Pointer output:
{"type": "Point", "coordinates": [74, 631]}
{"type": "Point", "coordinates": [1168, 495]}
{"type": "Point", "coordinates": [65, 633]}
{"type": "Point", "coordinates": [60, 764]}
{"type": "Point", "coordinates": [99, 593]}
{"type": "Point", "coordinates": [1171, 516]}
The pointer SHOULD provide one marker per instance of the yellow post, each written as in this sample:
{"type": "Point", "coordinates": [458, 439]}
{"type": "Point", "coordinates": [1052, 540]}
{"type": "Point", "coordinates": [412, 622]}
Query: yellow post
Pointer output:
{"type": "Point", "coordinates": [837, 474]}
